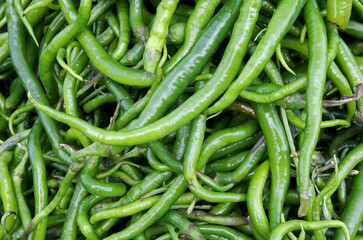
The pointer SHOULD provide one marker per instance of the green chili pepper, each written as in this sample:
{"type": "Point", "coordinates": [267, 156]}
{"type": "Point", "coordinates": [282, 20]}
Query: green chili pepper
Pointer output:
{"type": "Point", "coordinates": [7, 193]}
{"type": "Point", "coordinates": [158, 34]}
{"type": "Point", "coordinates": [193, 29]}
{"type": "Point", "coordinates": [339, 12]}
{"type": "Point", "coordinates": [292, 225]}
{"type": "Point", "coordinates": [285, 15]}
{"type": "Point", "coordinates": [353, 214]}
{"type": "Point", "coordinates": [316, 76]}
{"type": "Point", "coordinates": [39, 175]}
{"type": "Point", "coordinates": [17, 38]}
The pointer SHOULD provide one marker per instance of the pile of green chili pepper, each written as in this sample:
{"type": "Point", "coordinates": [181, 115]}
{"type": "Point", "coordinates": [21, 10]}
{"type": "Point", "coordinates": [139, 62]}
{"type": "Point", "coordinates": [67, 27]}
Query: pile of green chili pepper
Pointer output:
{"type": "Point", "coordinates": [168, 119]}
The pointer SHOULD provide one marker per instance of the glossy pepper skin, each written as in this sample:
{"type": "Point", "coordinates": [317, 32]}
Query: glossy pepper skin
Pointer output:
{"type": "Point", "coordinates": [141, 158]}
{"type": "Point", "coordinates": [339, 12]}
{"type": "Point", "coordinates": [30, 82]}
{"type": "Point", "coordinates": [353, 212]}
{"type": "Point", "coordinates": [280, 23]}
{"type": "Point", "coordinates": [318, 53]}
{"type": "Point", "coordinates": [254, 200]}
{"type": "Point", "coordinates": [274, 132]}
{"type": "Point", "coordinates": [172, 87]}
{"type": "Point", "coordinates": [39, 174]}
